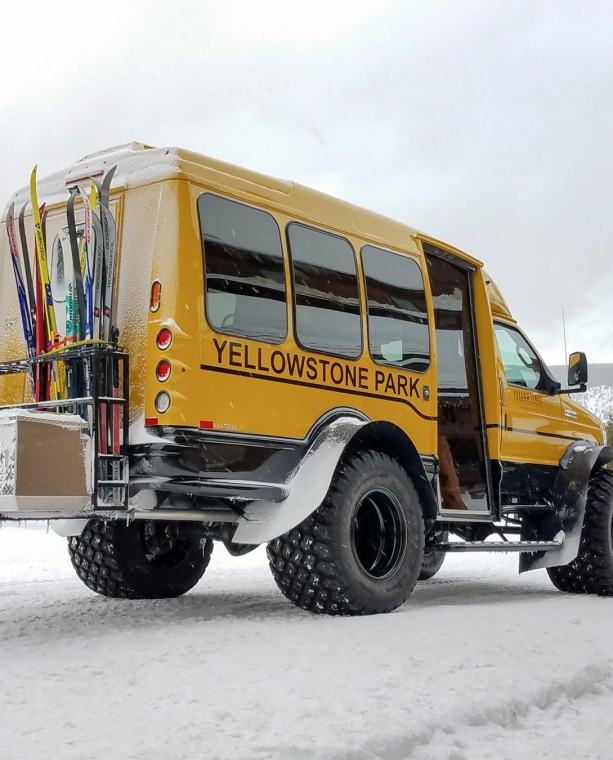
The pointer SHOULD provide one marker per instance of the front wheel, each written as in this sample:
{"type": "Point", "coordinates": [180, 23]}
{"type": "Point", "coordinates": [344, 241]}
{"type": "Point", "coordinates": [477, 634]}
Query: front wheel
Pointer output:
{"type": "Point", "coordinates": [361, 551]}
{"type": "Point", "coordinates": [145, 559]}
{"type": "Point", "coordinates": [592, 570]}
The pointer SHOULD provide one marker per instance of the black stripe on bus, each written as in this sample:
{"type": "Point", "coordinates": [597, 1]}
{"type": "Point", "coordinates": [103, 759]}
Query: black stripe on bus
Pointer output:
{"type": "Point", "coordinates": [352, 392]}
{"type": "Point", "coordinates": [546, 435]}
{"type": "Point", "coordinates": [533, 432]}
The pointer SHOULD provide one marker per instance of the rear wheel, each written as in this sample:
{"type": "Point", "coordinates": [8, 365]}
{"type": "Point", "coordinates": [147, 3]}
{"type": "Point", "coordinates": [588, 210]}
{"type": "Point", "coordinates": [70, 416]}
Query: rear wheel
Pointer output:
{"type": "Point", "coordinates": [146, 559]}
{"type": "Point", "coordinates": [361, 551]}
{"type": "Point", "coordinates": [592, 571]}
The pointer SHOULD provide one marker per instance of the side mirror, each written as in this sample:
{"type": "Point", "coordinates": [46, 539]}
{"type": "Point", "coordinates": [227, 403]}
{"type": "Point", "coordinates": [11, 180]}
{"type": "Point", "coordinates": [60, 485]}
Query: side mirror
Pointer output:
{"type": "Point", "coordinates": [577, 369]}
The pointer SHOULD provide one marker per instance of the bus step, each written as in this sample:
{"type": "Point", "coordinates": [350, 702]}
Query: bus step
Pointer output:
{"type": "Point", "coordinates": [499, 546]}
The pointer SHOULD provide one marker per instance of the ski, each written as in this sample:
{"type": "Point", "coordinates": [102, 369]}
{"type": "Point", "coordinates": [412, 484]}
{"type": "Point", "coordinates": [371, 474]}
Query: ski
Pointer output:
{"type": "Point", "coordinates": [27, 266]}
{"type": "Point", "coordinates": [69, 304]}
{"type": "Point", "coordinates": [41, 250]}
{"type": "Point", "coordinates": [76, 266]}
{"type": "Point", "coordinates": [24, 308]}
{"type": "Point", "coordinates": [109, 231]}
{"type": "Point", "coordinates": [56, 377]}
{"type": "Point", "coordinates": [86, 264]}
{"type": "Point", "coordinates": [26, 317]}
{"type": "Point", "coordinates": [97, 277]}
{"type": "Point", "coordinates": [41, 369]}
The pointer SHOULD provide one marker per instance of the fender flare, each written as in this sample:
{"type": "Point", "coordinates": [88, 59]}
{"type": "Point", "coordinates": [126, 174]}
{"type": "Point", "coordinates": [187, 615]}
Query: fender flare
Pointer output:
{"type": "Point", "coordinates": [308, 485]}
{"type": "Point", "coordinates": [569, 499]}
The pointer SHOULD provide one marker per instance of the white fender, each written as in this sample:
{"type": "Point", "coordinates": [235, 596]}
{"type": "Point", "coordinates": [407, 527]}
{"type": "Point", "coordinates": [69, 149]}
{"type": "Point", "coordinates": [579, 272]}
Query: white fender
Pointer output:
{"type": "Point", "coordinates": [307, 485]}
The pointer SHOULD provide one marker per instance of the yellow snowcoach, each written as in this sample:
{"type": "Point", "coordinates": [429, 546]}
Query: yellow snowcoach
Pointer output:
{"type": "Point", "coordinates": [217, 355]}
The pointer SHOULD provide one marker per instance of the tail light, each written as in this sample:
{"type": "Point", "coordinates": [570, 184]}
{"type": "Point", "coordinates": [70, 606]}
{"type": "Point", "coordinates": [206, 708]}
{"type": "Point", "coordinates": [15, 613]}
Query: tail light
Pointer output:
{"type": "Point", "coordinates": [164, 338]}
{"type": "Point", "coordinates": [162, 371]}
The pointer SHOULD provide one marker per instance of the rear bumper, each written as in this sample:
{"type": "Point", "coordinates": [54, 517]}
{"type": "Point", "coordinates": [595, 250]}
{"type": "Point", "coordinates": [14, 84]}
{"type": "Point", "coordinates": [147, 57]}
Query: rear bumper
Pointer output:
{"type": "Point", "coordinates": [272, 485]}
{"type": "Point", "coordinates": [215, 466]}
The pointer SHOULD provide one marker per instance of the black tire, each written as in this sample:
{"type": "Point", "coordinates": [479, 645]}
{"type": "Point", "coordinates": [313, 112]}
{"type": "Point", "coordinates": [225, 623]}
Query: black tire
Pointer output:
{"type": "Point", "coordinates": [138, 560]}
{"type": "Point", "coordinates": [433, 560]}
{"type": "Point", "coordinates": [360, 553]}
{"type": "Point", "coordinates": [592, 571]}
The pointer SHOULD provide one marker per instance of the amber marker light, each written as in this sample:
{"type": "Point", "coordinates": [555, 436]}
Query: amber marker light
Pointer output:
{"type": "Point", "coordinates": [156, 295]}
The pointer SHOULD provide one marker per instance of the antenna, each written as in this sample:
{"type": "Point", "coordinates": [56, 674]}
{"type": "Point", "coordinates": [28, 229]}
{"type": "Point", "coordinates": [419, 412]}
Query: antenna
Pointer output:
{"type": "Point", "coordinates": [564, 332]}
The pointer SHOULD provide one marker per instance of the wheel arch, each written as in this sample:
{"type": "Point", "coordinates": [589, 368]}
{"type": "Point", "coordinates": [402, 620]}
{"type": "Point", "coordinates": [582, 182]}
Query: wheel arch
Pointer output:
{"type": "Point", "coordinates": [391, 440]}
{"type": "Point", "coordinates": [307, 488]}
{"type": "Point", "coordinates": [569, 497]}
{"type": "Point", "coordinates": [605, 456]}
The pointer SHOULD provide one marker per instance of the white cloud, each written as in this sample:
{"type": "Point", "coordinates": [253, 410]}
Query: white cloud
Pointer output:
{"type": "Point", "coordinates": [486, 124]}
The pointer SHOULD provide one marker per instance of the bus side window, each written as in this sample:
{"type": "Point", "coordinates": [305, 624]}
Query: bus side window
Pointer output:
{"type": "Point", "coordinates": [326, 292]}
{"type": "Point", "coordinates": [244, 270]}
{"type": "Point", "coordinates": [397, 312]}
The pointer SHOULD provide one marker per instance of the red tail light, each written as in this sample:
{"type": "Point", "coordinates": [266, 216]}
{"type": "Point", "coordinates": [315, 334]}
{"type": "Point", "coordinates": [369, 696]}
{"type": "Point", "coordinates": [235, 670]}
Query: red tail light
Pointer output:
{"type": "Point", "coordinates": [163, 371]}
{"type": "Point", "coordinates": [164, 338]}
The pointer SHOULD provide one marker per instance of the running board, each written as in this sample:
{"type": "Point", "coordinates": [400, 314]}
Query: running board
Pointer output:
{"type": "Point", "coordinates": [499, 546]}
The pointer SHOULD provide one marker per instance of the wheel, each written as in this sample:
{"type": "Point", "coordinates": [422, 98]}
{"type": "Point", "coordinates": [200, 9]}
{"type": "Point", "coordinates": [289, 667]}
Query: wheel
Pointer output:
{"type": "Point", "coordinates": [361, 551]}
{"type": "Point", "coordinates": [433, 559]}
{"type": "Point", "coordinates": [146, 559]}
{"type": "Point", "coordinates": [592, 571]}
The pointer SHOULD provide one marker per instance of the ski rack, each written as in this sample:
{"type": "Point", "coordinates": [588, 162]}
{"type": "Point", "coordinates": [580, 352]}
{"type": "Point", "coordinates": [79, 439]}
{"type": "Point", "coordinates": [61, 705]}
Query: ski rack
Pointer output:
{"type": "Point", "coordinates": [110, 474]}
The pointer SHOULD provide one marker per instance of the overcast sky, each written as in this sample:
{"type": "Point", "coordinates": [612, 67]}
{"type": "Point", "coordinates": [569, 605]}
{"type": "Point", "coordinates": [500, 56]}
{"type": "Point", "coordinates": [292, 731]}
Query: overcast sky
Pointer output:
{"type": "Point", "coordinates": [486, 123]}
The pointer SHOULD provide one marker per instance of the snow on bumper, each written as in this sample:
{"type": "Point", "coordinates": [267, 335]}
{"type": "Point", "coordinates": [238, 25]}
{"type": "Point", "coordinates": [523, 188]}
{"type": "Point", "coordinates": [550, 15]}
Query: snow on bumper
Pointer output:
{"type": "Point", "coordinates": [262, 521]}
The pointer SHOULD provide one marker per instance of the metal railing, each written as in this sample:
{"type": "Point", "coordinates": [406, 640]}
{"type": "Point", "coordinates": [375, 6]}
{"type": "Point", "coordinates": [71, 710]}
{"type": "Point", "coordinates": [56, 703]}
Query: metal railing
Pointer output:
{"type": "Point", "coordinates": [98, 373]}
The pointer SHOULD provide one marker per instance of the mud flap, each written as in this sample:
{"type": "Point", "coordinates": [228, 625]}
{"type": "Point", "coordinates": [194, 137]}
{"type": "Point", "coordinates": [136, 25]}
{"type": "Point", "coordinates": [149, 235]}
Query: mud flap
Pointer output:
{"type": "Point", "coordinates": [264, 520]}
{"type": "Point", "coordinates": [569, 499]}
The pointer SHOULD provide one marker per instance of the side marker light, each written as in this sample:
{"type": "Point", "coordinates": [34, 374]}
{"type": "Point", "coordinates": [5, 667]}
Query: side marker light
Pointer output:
{"type": "Point", "coordinates": [156, 295]}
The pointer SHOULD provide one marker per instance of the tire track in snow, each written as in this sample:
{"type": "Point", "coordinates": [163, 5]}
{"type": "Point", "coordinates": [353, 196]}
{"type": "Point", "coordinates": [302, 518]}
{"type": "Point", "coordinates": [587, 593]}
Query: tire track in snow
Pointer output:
{"type": "Point", "coordinates": [592, 680]}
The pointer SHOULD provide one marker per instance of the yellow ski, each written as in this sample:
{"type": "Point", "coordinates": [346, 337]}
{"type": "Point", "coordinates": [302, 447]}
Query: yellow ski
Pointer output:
{"type": "Point", "coordinates": [57, 383]}
{"type": "Point", "coordinates": [42, 263]}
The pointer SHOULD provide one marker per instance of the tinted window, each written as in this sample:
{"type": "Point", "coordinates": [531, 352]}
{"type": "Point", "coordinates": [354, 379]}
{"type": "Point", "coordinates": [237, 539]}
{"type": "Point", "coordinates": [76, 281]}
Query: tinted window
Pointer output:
{"type": "Point", "coordinates": [522, 366]}
{"type": "Point", "coordinates": [326, 292]}
{"type": "Point", "coordinates": [244, 275]}
{"type": "Point", "coordinates": [455, 351]}
{"type": "Point", "coordinates": [397, 317]}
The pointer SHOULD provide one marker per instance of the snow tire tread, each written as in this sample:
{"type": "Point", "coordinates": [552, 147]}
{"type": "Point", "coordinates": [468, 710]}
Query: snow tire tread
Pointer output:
{"type": "Point", "coordinates": [304, 562]}
{"type": "Point", "coordinates": [102, 562]}
{"type": "Point", "coordinates": [592, 570]}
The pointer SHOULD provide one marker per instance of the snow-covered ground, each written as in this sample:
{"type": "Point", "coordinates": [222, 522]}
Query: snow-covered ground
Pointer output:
{"type": "Point", "coordinates": [480, 663]}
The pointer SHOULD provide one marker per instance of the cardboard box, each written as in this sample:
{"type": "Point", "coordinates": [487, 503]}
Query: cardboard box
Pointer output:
{"type": "Point", "coordinates": [44, 462]}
